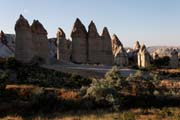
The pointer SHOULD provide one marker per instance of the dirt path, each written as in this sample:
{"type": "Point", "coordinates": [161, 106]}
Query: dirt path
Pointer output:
{"type": "Point", "coordinates": [87, 70]}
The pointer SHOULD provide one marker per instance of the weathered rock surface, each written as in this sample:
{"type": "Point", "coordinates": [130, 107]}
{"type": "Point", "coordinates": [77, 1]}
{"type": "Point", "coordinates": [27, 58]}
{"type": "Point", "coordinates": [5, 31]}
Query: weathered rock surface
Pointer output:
{"type": "Point", "coordinates": [64, 47]}
{"type": "Point", "coordinates": [136, 46]}
{"type": "Point", "coordinates": [24, 45]}
{"type": "Point", "coordinates": [79, 42]}
{"type": "Point", "coordinates": [174, 60]}
{"type": "Point", "coordinates": [133, 54]}
{"type": "Point", "coordinates": [143, 57]}
{"type": "Point", "coordinates": [95, 45]}
{"type": "Point", "coordinates": [121, 57]}
{"type": "Point", "coordinates": [120, 54]}
{"type": "Point", "coordinates": [31, 41]}
{"type": "Point", "coordinates": [40, 41]}
{"type": "Point", "coordinates": [115, 43]}
{"type": "Point", "coordinates": [6, 45]}
{"type": "Point", "coordinates": [108, 57]}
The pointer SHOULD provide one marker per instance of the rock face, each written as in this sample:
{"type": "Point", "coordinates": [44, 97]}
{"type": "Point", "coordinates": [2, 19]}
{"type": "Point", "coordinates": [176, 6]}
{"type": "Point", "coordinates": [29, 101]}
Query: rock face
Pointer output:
{"type": "Point", "coordinates": [134, 57]}
{"type": "Point", "coordinates": [3, 38]}
{"type": "Point", "coordinates": [79, 43]}
{"type": "Point", "coordinates": [174, 60]}
{"type": "Point", "coordinates": [40, 41]}
{"type": "Point", "coordinates": [95, 45]}
{"type": "Point", "coordinates": [107, 48]}
{"type": "Point", "coordinates": [121, 57]}
{"type": "Point", "coordinates": [6, 45]}
{"type": "Point", "coordinates": [64, 46]}
{"type": "Point", "coordinates": [136, 46]}
{"type": "Point", "coordinates": [143, 57]}
{"type": "Point", "coordinates": [89, 47]}
{"type": "Point", "coordinates": [120, 54]}
{"type": "Point", "coordinates": [24, 45]}
{"type": "Point", "coordinates": [31, 41]}
{"type": "Point", "coordinates": [115, 43]}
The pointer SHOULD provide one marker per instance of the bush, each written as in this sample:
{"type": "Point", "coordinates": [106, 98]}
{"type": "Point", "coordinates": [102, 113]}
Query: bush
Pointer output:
{"type": "Point", "coordinates": [43, 103]}
{"type": "Point", "coordinates": [160, 62]}
{"type": "Point", "coordinates": [106, 91]}
{"type": "Point", "coordinates": [3, 78]}
{"type": "Point", "coordinates": [142, 83]}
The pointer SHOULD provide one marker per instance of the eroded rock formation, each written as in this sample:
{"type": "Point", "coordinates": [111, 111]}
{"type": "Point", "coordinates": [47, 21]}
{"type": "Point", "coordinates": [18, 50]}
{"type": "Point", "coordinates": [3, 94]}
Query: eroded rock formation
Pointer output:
{"type": "Point", "coordinates": [3, 38]}
{"type": "Point", "coordinates": [120, 54]}
{"type": "Point", "coordinates": [115, 43]}
{"type": "Point", "coordinates": [95, 45]}
{"type": "Point", "coordinates": [174, 60]}
{"type": "Point", "coordinates": [40, 41]}
{"type": "Point", "coordinates": [64, 46]}
{"type": "Point", "coordinates": [143, 57]}
{"type": "Point", "coordinates": [79, 42]}
{"type": "Point", "coordinates": [90, 47]}
{"type": "Point", "coordinates": [121, 57]}
{"type": "Point", "coordinates": [31, 41]}
{"type": "Point", "coordinates": [106, 48]}
{"type": "Point", "coordinates": [24, 45]}
{"type": "Point", "coordinates": [134, 54]}
{"type": "Point", "coordinates": [136, 46]}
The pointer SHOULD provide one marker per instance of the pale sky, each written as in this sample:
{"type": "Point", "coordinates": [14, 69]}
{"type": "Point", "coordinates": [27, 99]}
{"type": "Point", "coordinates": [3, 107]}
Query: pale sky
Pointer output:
{"type": "Point", "coordinates": [152, 22]}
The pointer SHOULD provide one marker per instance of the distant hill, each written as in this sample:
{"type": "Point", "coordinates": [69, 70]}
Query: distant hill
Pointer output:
{"type": "Point", "coordinates": [163, 50]}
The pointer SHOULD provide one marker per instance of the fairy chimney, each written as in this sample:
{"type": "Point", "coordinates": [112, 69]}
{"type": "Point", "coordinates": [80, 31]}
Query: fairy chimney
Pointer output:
{"type": "Point", "coordinates": [79, 42]}
{"type": "Point", "coordinates": [106, 48]}
{"type": "Point", "coordinates": [40, 41]}
{"type": "Point", "coordinates": [120, 54]}
{"type": "Point", "coordinates": [115, 43]}
{"type": "Point", "coordinates": [121, 57]}
{"type": "Point", "coordinates": [94, 45]}
{"type": "Point", "coordinates": [136, 49]}
{"type": "Point", "coordinates": [143, 57]}
{"type": "Point", "coordinates": [3, 38]}
{"type": "Point", "coordinates": [63, 46]}
{"type": "Point", "coordinates": [136, 46]}
{"type": "Point", "coordinates": [174, 60]}
{"type": "Point", "coordinates": [24, 45]}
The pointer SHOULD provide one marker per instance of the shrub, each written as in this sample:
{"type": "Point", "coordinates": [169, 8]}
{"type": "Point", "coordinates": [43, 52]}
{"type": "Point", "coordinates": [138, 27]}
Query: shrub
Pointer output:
{"type": "Point", "coordinates": [43, 103]}
{"type": "Point", "coordinates": [3, 78]}
{"type": "Point", "coordinates": [160, 62]}
{"type": "Point", "coordinates": [106, 91]}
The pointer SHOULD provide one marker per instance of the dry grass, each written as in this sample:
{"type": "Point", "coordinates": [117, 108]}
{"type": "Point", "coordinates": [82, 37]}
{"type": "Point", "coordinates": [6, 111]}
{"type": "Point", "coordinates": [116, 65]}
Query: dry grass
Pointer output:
{"type": "Point", "coordinates": [26, 90]}
{"type": "Point", "coordinates": [133, 114]}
